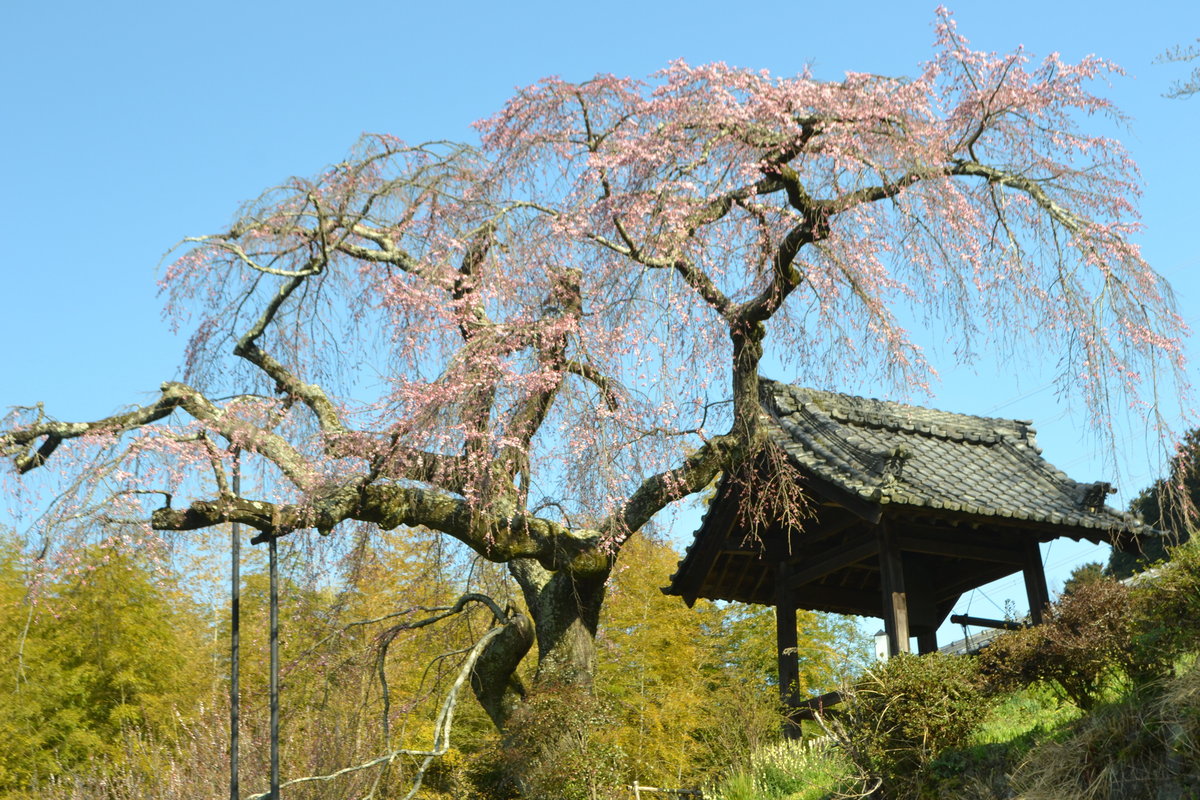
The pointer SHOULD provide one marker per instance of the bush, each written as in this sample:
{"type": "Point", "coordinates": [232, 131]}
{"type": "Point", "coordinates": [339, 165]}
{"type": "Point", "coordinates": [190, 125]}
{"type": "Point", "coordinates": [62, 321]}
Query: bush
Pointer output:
{"type": "Point", "coordinates": [1085, 643]}
{"type": "Point", "coordinates": [561, 747]}
{"type": "Point", "coordinates": [1167, 609]}
{"type": "Point", "coordinates": [900, 718]}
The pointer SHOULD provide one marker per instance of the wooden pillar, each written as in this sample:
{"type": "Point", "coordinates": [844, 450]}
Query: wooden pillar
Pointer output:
{"type": "Point", "coordinates": [927, 642]}
{"type": "Point", "coordinates": [785, 648]}
{"type": "Point", "coordinates": [895, 600]}
{"type": "Point", "coordinates": [1035, 580]}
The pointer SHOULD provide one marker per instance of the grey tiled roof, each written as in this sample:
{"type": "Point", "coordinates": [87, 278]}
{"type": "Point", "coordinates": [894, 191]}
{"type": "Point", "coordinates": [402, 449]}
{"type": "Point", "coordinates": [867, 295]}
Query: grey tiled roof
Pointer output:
{"type": "Point", "coordinates": [892, 453]}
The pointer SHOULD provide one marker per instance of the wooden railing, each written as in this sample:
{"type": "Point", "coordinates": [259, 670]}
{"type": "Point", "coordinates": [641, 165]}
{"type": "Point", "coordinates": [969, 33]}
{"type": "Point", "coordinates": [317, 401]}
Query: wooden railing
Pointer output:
{"type": "Point", "coordinates": [638, 789]}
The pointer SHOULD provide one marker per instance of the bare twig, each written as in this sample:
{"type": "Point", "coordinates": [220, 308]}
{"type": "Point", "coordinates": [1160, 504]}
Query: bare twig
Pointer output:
{"type": "Point", "coordinates": [441, 729]}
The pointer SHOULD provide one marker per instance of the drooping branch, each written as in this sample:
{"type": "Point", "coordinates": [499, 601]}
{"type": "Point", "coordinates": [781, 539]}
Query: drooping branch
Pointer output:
{"type": "Point", "coordinates": [704, 286]}
{"type": "Point", "coordinates": [398, 461]}
{"type": "Point", "coordinates": [386, 251]}
{"type": "Point", "coordinates": [174, 395]}
{"type": "Point", "coordinates": [564, 303]}
{"type": "Point", "coordinates": [285, 382]}
{"type": "Point", "coordinates": [1064, 217]}
{"type": "Point", "coordinates": [465, 290]}
{"type": "Point", "coordinates": [384, 641]}
{"type": "Point", "coordinates": [594, 376]}
{"type": "Point", "coordinates": [442, 730]}
{"type": "Point", "coordinates": [495, 680]}
{"type": "Point", "coordinates": [253, 438]}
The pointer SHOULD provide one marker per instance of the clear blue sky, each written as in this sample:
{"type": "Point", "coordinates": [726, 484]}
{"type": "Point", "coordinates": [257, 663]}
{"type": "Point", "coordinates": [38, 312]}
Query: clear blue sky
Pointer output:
{"type": "Point", "coordinates": [131, 125]}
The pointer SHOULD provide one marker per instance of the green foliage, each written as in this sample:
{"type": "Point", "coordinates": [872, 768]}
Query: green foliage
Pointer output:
{"type": "Point", "coordinates": [561, 746]}
{"type": "Point", "coordinates": [1167, 610]}
{"type": "Point", "coordinates": [1085, 644]}
{"type": "Point", "coordinates": [1013, 727]}
{"type": "Point", "coordinates": [651, 652]}
{"type": "Point", "coordinates": [1083, 575]}
{"type": "Point", "coordinates": [695, 691]}
{"type": "Point", "coordinates": [1026, 714]}
{"type": "Point", "coordinates": [108, 649]}
{"type": "Point", "coordinates": [741, 697]}
{"type": "Point", "coordinates": [124, 695]}
{"type": "Point", "coordinates": [900, 718]}
{"type": "Point", "coordinates": [1168, 505]}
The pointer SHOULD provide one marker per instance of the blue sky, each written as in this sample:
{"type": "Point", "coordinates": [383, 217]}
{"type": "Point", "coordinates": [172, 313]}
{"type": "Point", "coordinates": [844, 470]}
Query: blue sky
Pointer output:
{"type": "Point", "coordinates": [132, 125]}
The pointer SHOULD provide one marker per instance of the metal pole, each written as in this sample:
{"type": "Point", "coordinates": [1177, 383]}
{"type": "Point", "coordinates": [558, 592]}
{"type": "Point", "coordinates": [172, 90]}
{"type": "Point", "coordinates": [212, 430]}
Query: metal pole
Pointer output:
{"type": "Point", "coordinates": [274, 671]}
{"type": "Point", "coordinates": [235, 603]}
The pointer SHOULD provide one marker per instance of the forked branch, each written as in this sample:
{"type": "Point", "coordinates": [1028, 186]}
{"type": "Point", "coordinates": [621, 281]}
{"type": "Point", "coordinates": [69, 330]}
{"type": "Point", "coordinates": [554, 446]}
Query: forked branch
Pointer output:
{"type": "Point", "coordinates": [442, 729]}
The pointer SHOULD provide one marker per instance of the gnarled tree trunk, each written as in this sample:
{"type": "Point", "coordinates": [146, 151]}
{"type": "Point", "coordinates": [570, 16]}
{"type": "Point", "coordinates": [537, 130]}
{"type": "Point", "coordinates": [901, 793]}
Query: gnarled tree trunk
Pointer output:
{"type": "Point", "coordinates": [563, 614]}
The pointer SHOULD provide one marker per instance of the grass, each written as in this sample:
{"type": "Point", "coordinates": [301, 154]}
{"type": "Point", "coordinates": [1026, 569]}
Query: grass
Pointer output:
{"type": "Point", "coordinates": [1018, 725]}
{"type": "Point", "coordinates": [1145, 745]}
{"type": "Point", "coordinates": [785, 771]}
{"type": "Point", "coordinates": [1030, 713]}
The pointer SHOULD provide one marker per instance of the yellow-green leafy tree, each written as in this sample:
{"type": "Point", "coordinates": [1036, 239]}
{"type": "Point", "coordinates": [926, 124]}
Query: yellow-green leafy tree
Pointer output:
{"type": "Point", "coordinates": [108, 651]}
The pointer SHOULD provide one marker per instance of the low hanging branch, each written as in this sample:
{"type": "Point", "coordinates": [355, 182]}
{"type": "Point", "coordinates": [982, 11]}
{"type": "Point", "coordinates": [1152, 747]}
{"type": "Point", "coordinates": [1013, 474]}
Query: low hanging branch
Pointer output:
{"type": "Point", "coordinates": [445, 718]}
{"type": "Point", "coordinates": [387, 637]}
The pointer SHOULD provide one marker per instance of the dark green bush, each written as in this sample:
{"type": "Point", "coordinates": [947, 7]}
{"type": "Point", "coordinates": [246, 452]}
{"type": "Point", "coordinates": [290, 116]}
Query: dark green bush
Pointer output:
{"type": "Point", "coordinates": [1084, 645]}
{"type": "Point", "coordinates": [901, 717]}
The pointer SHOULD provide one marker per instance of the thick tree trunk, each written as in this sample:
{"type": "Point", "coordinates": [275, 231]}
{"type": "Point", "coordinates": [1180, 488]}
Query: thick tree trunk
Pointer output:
{"type": "Point", "coordinates": [564, 611]}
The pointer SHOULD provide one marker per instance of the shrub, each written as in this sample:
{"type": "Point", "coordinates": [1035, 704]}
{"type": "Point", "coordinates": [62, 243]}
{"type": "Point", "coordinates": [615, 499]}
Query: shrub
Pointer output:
{"type": "Point", "coordinates": [1167, 609]}
{"type": "Point", "coordinates": [1085, 643]}
{"type": "Point", "coordinates": [900, 718]}
{"type": "Point", "coordinates": [561, 747]}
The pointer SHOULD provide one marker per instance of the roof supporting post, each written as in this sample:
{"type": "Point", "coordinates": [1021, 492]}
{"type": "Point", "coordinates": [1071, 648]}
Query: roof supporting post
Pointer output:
{"type": "Point", "coordinates": [1035, 580]}
{"type": "Point", "coordinates": [927, 642]}
{"type": "Point", "coordinates": [895, 600]}
{"type": "Point", "coordinates": [785, 647]}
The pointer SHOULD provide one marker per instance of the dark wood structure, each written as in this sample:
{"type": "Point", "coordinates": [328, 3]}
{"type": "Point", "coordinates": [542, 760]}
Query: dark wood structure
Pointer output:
{"type": "Point", "coordinates": [910, 508]}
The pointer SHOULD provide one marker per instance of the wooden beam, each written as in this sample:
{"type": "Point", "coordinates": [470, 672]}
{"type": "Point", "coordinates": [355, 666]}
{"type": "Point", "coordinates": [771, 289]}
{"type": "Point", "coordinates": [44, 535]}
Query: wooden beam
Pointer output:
{"type": "Point", "coordinates": [921, 576]}
{"type": "Point", "coordinates": [927, 642]}
{"type": "Point", "coordinates": [749, 562]}
{"type": "Point", "coordinates": [817, 705]}
{"type": "Point", "coordinates": [821, 531]}
{"type": "Point", "coordinates": [895, 600]}
{"type": "Point", "coordinates": [937, 546]}
{"type": "Point", "coordinates": [839, 599]}
{"type": "Point", "coordinates": [974, 581]}
{"type": "Point", "coordinates": [837, 558]}
{"type": "Point", "coordinates": [984, 622]}
{"type": "Point", "coordinates": [762, 576]}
